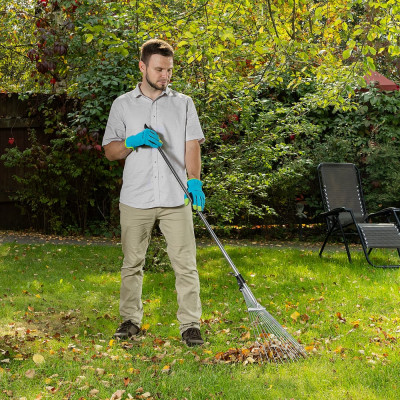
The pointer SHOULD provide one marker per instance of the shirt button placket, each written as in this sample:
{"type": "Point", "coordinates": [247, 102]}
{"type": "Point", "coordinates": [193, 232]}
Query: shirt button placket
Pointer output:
{"type": "Point", "coordinates": [155, 154]}
{"type": "Point", "coordinates": [154, 114]}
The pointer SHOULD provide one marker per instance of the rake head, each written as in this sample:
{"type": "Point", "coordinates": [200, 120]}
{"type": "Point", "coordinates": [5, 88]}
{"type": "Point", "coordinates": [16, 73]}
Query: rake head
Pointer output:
{"type": "Point", "coordinates": [273, 342]}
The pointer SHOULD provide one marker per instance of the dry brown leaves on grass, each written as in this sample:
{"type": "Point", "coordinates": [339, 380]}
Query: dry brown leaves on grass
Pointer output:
{"type": "Point", "coordinates": [272, 351]}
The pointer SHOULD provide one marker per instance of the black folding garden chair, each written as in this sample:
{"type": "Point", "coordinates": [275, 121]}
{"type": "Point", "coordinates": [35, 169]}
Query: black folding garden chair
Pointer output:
{"type": "Point", "coordinates": [345, 212]}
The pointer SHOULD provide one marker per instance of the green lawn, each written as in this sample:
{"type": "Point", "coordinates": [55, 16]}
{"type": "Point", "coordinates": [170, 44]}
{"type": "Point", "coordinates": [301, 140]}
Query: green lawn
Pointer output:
{"type": "Point", "coordinates": [59, 310]}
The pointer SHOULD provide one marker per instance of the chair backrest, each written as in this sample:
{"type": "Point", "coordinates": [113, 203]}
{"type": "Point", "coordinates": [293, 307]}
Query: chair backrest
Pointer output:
{"type": "Point", "coordinates": [340, 185]}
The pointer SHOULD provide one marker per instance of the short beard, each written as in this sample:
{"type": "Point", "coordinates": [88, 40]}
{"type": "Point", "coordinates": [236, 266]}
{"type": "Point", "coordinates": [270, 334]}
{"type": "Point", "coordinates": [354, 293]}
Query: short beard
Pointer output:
{"type": "Point", "coordinates": [154, 86]}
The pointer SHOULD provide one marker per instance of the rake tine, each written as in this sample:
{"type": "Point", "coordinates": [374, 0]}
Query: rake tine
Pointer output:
{"type": "Point", "coordinates": [264, 352]}
{"type": "Point", "coordinates": [259, 340]}
{"type": "Point", "coordinates": [270, 335]}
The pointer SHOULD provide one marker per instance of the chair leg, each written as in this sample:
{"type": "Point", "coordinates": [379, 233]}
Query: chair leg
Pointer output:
{"type": "Point", "coordinates": [326, 239]}
{"type": "Point", "coordinates": [345, 242]}
{"type": "Point", "coordinates": [367, 253]}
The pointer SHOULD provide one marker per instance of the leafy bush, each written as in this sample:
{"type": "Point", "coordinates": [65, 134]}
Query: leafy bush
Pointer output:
{"type": "Point", "coordinates": [66, 182]}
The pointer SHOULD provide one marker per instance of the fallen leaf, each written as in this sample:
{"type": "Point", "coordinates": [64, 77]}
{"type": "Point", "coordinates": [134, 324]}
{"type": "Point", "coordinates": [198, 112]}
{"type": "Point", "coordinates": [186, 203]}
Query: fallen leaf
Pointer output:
{"type": "Point", "coordinates": [245, 336]}
{"type": "Point", "coordinates": [146, 327]}
{"type": "Point", "coordinates": [245, 352]}
{"type": "Point", "coordinates": [127, 381]}
{"type": "Point", "coordinates": [117, 395]}
{"type": "Point", "coordinates": [341, 319]}
{"type": "Point", "coordinates": [158, 342]}
{"type": "Point", "coordinates": [355, 324]}
{"type": "Point", "coordinates": [30, 373]}
{"type": "Point", "coordinates": [93, 392]}
{"type": "Point", "coordinates": [38, 359]}
{"type": "Point", "coordinates": [134, 371]}
{"type": "Point", "coordinates": [295, 315]}
{"type": "Point", "coordinates": [339, 350]}
{"type": "Point", "coordinates": [166, 369]}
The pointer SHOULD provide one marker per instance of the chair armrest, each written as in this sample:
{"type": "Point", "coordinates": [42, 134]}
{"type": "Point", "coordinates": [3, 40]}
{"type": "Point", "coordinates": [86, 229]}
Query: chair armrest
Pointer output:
{"type": "Point", "coordinates": [385, 212]}
{"type": "Point", "coordinates": [335, 211]}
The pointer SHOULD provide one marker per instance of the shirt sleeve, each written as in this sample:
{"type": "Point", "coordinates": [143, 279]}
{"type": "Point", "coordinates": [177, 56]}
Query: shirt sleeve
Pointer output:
{"type": "Point", "coordinates": [193, 127]}
{"type": "Point", "coordinates": [115, 128]}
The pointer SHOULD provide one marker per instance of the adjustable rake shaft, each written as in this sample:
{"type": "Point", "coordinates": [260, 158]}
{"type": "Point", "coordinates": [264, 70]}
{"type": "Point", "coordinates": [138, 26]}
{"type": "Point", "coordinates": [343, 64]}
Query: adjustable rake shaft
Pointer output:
{"type": "Point", "coordinates": [273, 342]}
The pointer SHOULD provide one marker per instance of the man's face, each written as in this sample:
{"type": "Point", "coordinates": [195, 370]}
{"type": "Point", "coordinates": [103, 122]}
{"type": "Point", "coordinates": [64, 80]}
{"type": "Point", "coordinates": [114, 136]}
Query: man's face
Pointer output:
{"type": "Point", "coordinates": [158, 71]}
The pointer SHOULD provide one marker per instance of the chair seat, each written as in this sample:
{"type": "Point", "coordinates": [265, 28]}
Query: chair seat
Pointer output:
{"type": "Point", "coordinates": [383, 235]}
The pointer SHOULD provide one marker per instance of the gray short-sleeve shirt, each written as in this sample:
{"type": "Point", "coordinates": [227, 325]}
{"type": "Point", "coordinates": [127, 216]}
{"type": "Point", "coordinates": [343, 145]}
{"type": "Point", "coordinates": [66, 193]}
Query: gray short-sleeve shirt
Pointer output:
{"type": "Point", "coordinates": [147, 180]}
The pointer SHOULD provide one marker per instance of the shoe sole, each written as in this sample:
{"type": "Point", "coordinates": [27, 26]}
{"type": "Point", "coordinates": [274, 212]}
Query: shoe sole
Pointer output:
{"type": "Point", "coordinates": [193, 344]}
{"type": "Point", "coordinates": [122, 336]}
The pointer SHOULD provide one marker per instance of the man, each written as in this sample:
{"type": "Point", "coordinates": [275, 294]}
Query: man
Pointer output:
{"type": "Point", "coordinates": [150, 192]}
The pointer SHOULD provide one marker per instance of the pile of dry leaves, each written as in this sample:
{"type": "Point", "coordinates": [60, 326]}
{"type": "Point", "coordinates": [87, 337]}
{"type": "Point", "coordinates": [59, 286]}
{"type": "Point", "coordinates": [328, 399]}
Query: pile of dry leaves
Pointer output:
{"type": "Point", "coordinates": [271, 351]}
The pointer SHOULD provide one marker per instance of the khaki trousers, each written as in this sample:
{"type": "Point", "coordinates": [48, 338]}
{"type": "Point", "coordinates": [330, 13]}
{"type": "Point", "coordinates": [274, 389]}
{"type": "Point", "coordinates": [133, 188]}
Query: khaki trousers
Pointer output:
{"type": "Point", "coordinates": [176, 224]}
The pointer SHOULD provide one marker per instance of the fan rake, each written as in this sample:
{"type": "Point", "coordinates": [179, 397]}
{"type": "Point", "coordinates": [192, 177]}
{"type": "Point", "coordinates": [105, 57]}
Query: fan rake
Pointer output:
{"type": "Point", "coordinates": [273, 342]}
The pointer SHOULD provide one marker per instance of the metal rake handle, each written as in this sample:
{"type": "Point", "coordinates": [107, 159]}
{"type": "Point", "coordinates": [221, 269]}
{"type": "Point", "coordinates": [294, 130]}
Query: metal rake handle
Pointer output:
{"type": "Point", "coordinates": [203, 218]}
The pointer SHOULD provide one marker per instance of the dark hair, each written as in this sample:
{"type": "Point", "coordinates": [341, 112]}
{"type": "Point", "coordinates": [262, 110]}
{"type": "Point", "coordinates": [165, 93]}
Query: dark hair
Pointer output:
{"type": "Point", "coordinates": [155, 46]}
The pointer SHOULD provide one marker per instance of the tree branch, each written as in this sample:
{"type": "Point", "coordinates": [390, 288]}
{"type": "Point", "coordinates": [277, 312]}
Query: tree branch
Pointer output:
{"type": "Point", "coordinates": [271, 15]}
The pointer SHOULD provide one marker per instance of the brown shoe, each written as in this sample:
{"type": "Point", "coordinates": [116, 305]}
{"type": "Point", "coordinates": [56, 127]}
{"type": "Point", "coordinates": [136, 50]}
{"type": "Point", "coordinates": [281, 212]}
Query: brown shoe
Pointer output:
{"type": "Point", "coordinates": [126, 330]}
{"type": "Point", "coordinates": [192, 337]}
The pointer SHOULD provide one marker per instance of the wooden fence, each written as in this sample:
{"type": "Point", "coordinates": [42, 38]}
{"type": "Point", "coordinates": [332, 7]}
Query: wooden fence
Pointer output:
{"type": "Point", "coordinates": [15, 124]}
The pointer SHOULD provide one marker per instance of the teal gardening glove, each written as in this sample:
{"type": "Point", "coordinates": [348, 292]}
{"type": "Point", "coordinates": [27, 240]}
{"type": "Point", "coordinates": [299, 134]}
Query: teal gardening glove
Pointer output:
{"type": "Point", "coordinates": [147, 137]}
{"type": "Point", "coordinates": [198, 197]}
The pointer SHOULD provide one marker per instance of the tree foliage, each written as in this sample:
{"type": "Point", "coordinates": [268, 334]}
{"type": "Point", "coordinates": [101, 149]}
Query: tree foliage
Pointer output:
{"type": "Point", "coordinates": [275, 82]}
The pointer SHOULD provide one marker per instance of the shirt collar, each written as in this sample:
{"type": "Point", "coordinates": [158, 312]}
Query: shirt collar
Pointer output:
{"type": "Point", "coordinates": [137, 92]}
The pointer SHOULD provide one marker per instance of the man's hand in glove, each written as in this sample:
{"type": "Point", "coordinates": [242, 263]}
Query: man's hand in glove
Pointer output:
{"type": "Point", "coordinates": [198, 197]}
{"type": "Point", "coordinates": [147, 137]}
